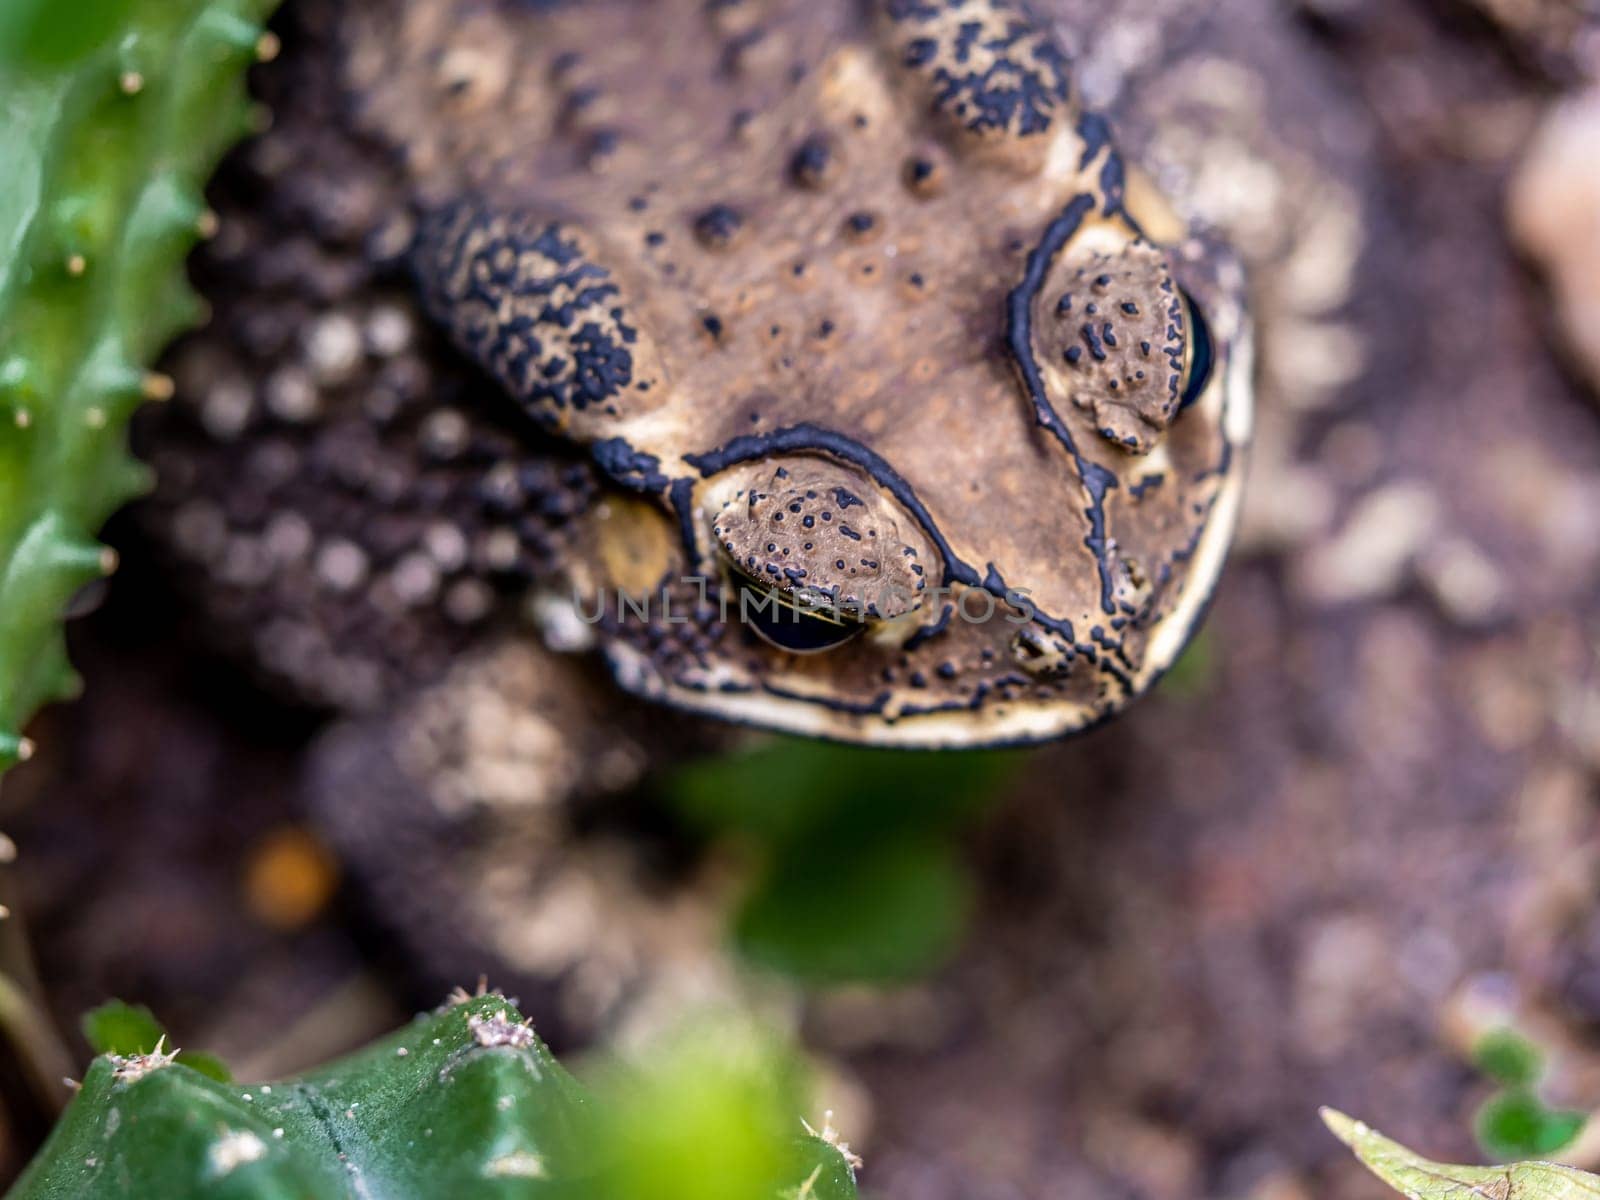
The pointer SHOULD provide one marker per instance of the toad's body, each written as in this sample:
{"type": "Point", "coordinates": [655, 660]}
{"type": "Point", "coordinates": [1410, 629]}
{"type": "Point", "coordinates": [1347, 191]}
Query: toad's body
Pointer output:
{"type": "Point", "coordinates": [867, 269]}
{"type": "Point", "coordinates": [521, 305]}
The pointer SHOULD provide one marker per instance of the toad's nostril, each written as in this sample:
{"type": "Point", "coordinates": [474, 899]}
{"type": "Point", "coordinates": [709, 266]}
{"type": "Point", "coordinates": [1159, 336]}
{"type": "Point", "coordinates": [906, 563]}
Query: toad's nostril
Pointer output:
{"type": "Point", "coordinates": [1042, 653]}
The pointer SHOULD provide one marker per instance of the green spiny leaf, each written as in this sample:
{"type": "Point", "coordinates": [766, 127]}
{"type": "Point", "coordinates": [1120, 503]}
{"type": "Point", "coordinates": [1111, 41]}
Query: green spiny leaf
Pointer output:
{"type": "Point", "coordinates": [116, 111]}
{"type": "Point", "coordinates": [34, 31]}
{"type": "Point", "coordinates": [465, 1102]}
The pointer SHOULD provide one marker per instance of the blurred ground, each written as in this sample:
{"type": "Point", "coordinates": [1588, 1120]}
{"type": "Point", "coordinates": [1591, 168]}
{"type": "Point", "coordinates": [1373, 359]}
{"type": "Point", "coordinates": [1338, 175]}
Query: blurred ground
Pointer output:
{"type": "Point", "coordinates": [1284, 883]}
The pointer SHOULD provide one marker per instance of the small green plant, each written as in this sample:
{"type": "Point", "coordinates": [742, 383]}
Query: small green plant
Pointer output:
{"type": "Point", "coordinates": [132, 1029]}
{"type": "Point", "coordinates": [465, 1102]}
{"type": "Point", "coordinates": [1515, 1122]}
{"type": "Point", "coordinates": [1420, 1179]}
{"type": "Point", "coordinates": [856, 853]}
{"type": "Point", "coordinates": [115, 113]}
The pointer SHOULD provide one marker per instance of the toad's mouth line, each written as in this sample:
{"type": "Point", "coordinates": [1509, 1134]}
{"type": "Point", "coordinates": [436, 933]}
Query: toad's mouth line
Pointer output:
{"type": "Point", "coordinates": [799, 707]}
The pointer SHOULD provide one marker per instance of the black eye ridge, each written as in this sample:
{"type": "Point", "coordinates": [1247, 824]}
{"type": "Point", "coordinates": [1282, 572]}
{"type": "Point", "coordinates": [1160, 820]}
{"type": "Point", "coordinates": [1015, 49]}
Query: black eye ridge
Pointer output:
{"type": "Point", "coordinates": [1202, 355]}
{"type": "Point", "coordinates": [787, 625]}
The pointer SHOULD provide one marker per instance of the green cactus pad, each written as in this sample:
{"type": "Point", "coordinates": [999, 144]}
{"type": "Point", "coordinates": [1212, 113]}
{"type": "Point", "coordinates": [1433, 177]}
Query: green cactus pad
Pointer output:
{"type": "Point", "coordinates": [116, 112]}
{"type": "Point", "coordinates": [466, 1102]}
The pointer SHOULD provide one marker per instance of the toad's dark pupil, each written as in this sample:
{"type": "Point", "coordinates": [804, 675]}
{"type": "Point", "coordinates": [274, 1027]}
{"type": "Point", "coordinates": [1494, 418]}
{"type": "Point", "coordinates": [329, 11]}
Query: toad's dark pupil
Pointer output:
{"type": "Point", "coordinates": [1202, 354]}
{"type": "Point", "coordinates": [788, 626]}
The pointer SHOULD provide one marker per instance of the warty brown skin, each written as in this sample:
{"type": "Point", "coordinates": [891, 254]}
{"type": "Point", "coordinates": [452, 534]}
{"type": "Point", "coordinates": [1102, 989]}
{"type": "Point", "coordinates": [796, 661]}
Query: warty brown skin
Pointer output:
{"type": "Point", "coordinates": [696, 250]}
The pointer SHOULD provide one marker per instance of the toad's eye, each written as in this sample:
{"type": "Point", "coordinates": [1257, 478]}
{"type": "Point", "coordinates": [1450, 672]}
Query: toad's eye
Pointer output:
{"type": "Point", "coordinates": [797, 628]}
{"type": "Point", "coordinates": [1114, 334]}
{"type": "Point", "coordinates": [816, 552]}
{"type": "Point", "coordinates": [1200, 354]}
